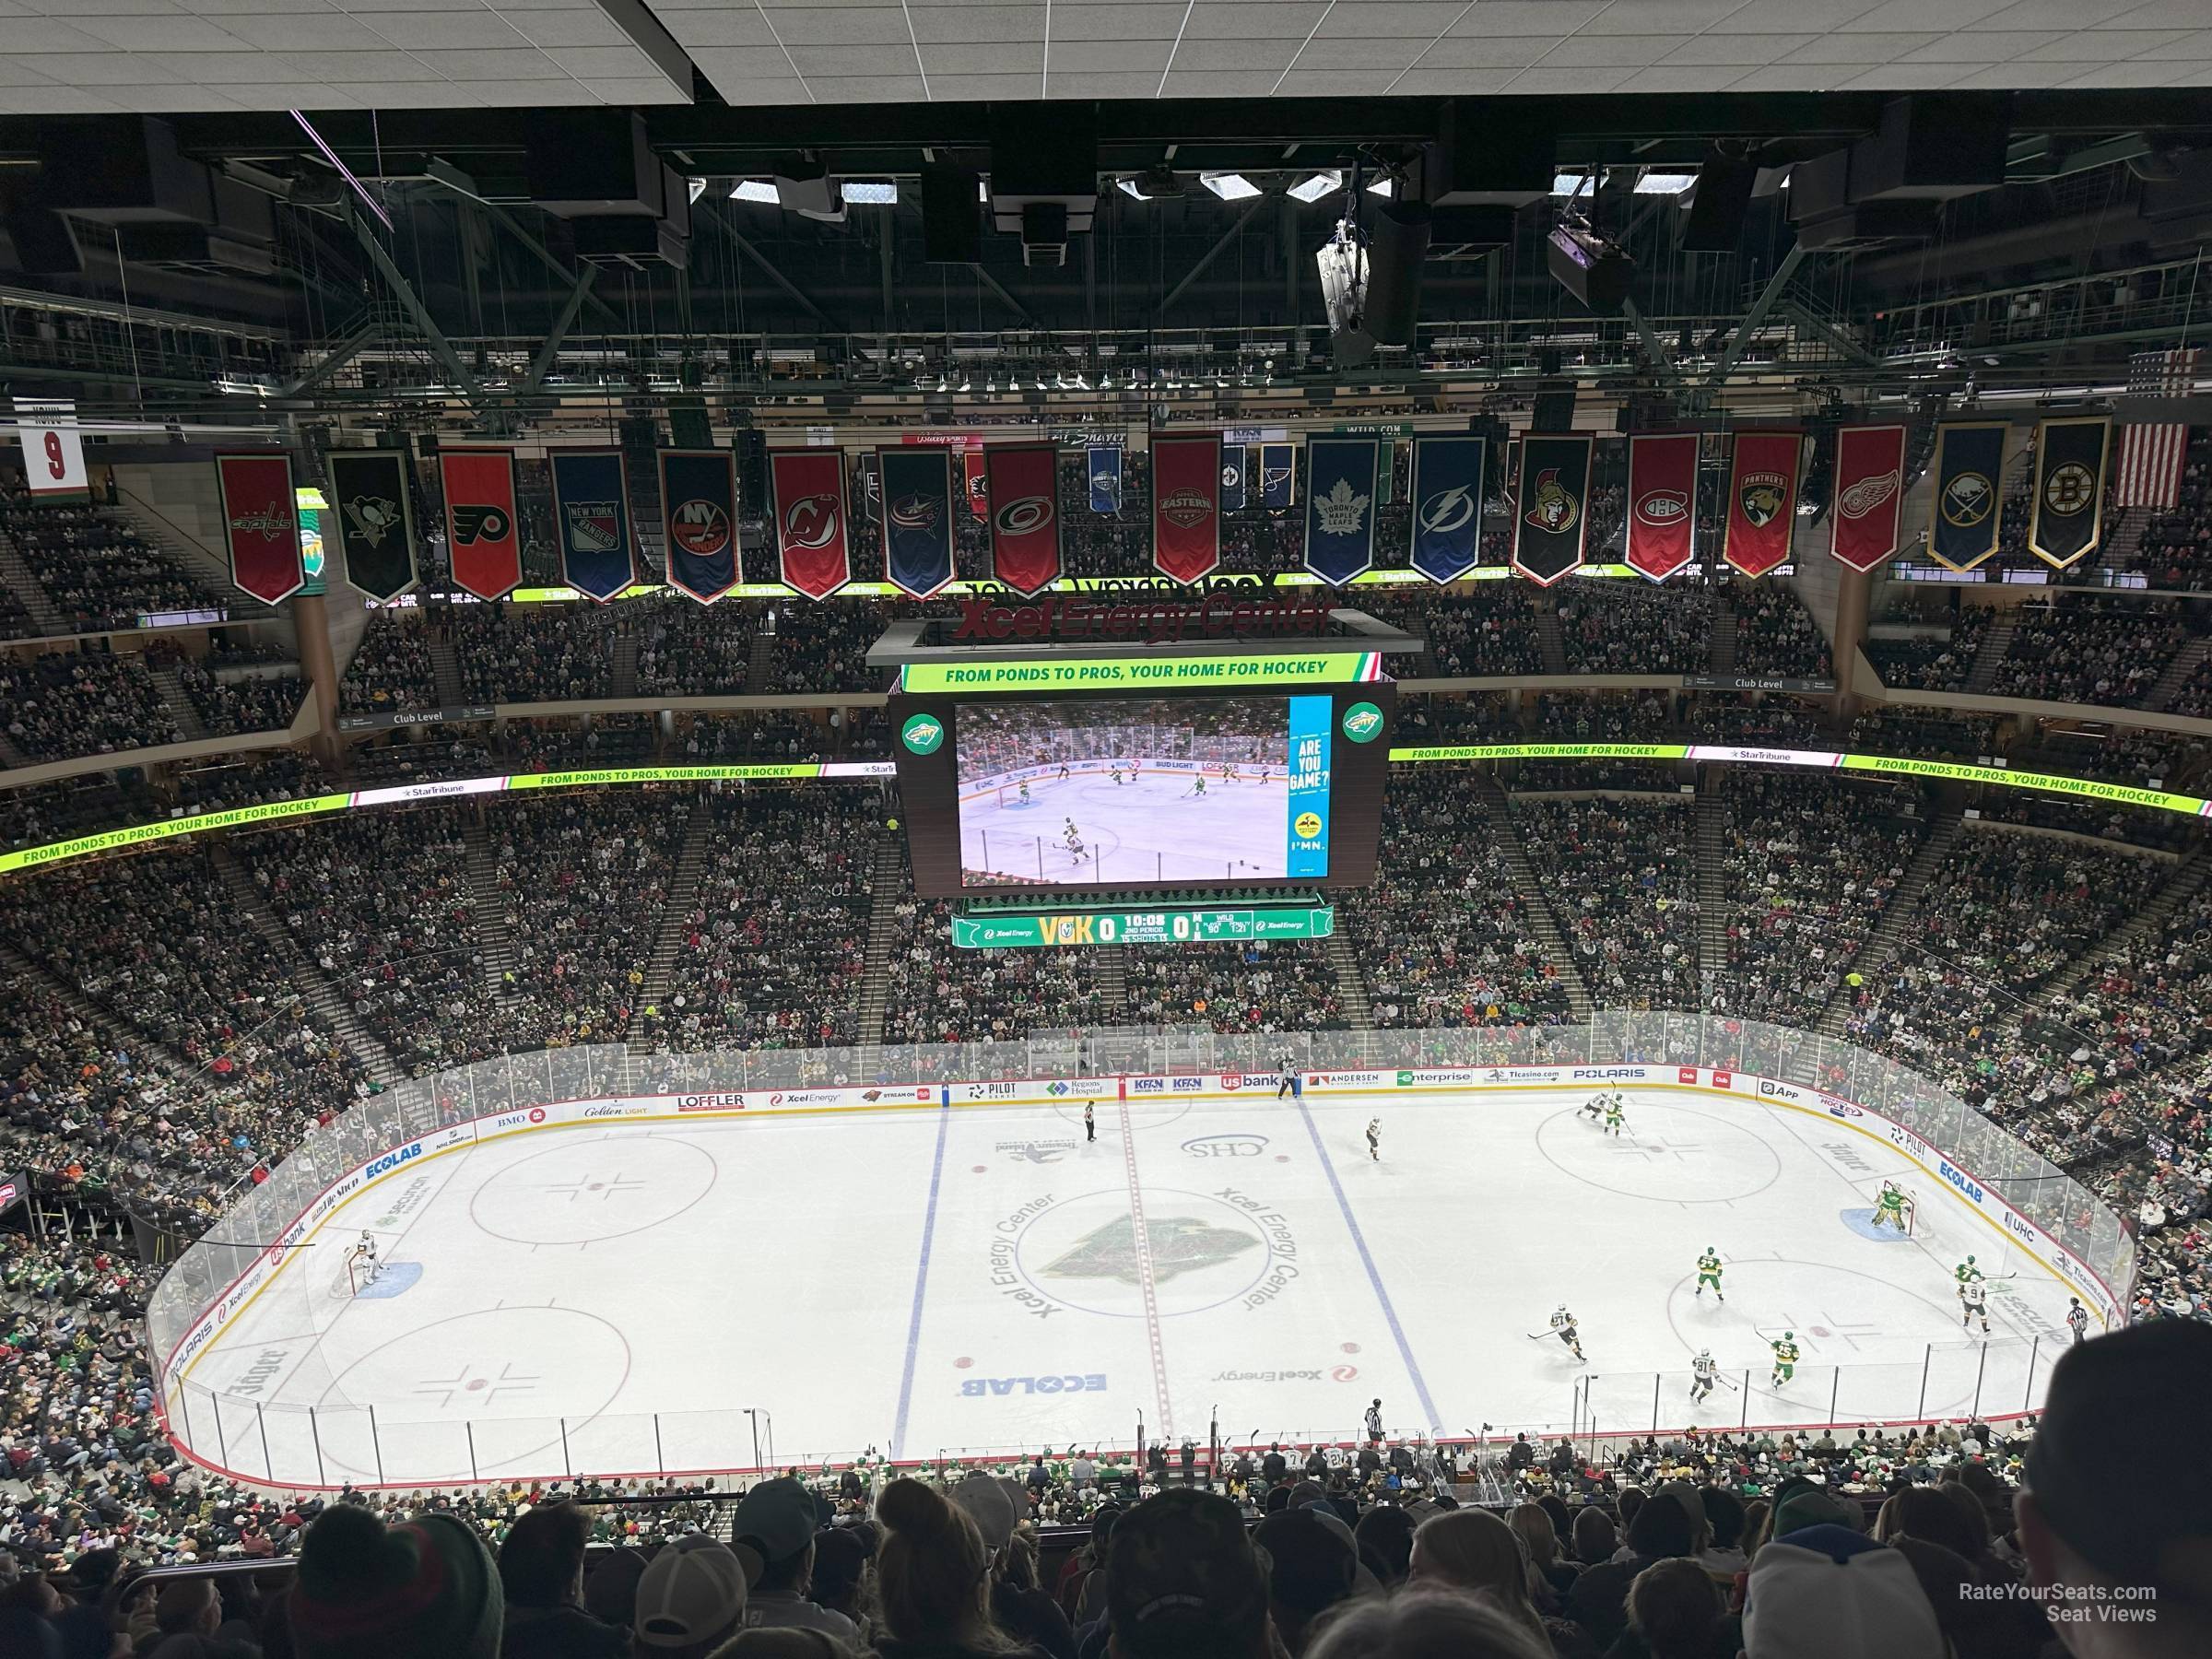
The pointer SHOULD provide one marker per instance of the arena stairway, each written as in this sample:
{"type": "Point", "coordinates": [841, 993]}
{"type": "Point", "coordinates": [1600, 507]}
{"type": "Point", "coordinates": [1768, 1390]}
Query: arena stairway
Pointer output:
{"type": "Point", "coordinates": [760, 668]}
{"type": "Point", "coordinates": [625, 682]}
{"type": "Point", "coordinates": [1724, 637]}
{"type": "Point", "coordinates": [2185, 662]}
{"type": "Point", "coordinates": [444, 666]}
{"type": "Point", "coordinates": [1890, 932]}
{"type": "Point", "coordinates": [186, 712]}
{"type": "Point", "coordinates": [28, 588]}
{"type": "Point", "coordinates": [493, 936]}
{"type": "Point", "coordinates": [1351, 990]}
{"type": "Point", "coordinates": [1550, 646]}
{"type": "Point", "coordinates": [1712, 902]}
{"type": "Point", "coordinates": [2185, 882]}
{"type": "Point", "coordinates": [888, 886]}
{"type": "Point", "coordinates": [1997, 640]}
{"type": "Point", "coordinates": [36, 976]}
{"type": "Point", "coordinates": [675, 914]}
{"type": "Point", "coordinates": [1506, 834]}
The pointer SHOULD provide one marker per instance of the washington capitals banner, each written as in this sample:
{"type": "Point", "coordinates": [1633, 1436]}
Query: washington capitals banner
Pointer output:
{"type": "Point", "coordinates": [1186, 505]}
{"type": "Point", "coordinates": [1024, 482]}
{"type": "Point", "coordinates": [1278, 476]}
{"type": "Point", "coordinates": [376, 520]}
{"type": "Point", "coordinates": [808, 491]}
{"type": "Point", "coordinates": [699, 511]}
{"type": "Point", "coordinates": [1970, 472]}
{"type": "Point", "coordinates": [261, 521]}
{"type": "Point", "coordinates": [1104, 466]}
{"type": "Point", "coordinates": [917, 519]}
{"type": "Point", "coordinates": [1340, 507]}
{"type": "Point", "coordinates": [591, 522]}
{"type": "Point", "coordinates": [1869, 494]}
{"type": "Point", "coordinates": [2067, 520]}
{"type": "Point", "coordinates": [1551, 505]}
{"type": "Point", "coordinates": [1662, 495]}
{"type": "Point", "coordinates": [481, 540]}
{"type": "Point", "coordinates": [1762, 500]}
{"type": "Point", "coordinates": [1236, 461]}
{"type": "Point", "coordinates": [1447, 505]}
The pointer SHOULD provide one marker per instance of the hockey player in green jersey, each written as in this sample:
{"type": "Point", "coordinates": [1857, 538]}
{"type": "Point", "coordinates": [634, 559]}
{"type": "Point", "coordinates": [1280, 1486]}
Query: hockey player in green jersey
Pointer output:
{"type": "Point", "coordinates": [1889, 1206]}
{"type": "Point", "coordinates": [1614, 1117]}
{"type": "Point", "coordinates": [1966, 1273]}
{"type": "Point", "coordinates": [1709, 1273]}
{"type": "Point", "coordinates": [1785, 1359]}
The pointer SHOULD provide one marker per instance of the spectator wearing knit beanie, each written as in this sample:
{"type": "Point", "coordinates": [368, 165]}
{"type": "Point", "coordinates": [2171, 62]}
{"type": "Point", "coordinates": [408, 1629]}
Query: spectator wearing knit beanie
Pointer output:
{"type": "Point", "coordinates": [426, 1590]}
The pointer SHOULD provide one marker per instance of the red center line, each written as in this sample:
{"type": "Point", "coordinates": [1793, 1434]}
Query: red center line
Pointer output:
{"type": "Point", "coordinates": [1144, 1279]}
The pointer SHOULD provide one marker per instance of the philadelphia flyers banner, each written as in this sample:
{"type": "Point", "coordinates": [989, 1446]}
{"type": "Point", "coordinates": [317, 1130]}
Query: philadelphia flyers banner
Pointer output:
{"type": "Point", "coordinates": [1023, 483]}
{"type": "Point", "coordinates": [481, 540]}
{"type": "Point", "coordinates": [808, 491]}
{"type": "Point", "coordinates": [1762, 500]}
{"type": "Point", "coordinates": [1186, 505]}
{"type": "Point", "coordinates": [1551, 505]}
{"type": "Point", "coordinates": [699, 516]}
{"type": "Point", "coordinates": [1870, 494]}
{"type": "Point", "coordinates": [261, 521]}
{"type": "Point", "coordinates": [1663, 503]}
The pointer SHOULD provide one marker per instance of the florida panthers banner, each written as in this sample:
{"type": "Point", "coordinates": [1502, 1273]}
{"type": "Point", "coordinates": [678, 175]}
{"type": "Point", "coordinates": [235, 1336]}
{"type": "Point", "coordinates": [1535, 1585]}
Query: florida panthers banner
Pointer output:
{"type": "Point", "coordinates": [1186, 505]}
{"type": "Point", "coordinates": [591, 522]}
{"type": "Point", "coordinates": [261, 521]}
{"type": "Point", "coordinates": [807, 488]}
{"type": "Point", "coordinates": [698, 515]}
{"type": "Point", "coordinates": [1279, 476]}
{"type": "Point", "coordinates": [1869, 494]}
{"type": "Point", "coordinates": [1104, 466]}
{"type": "Point", "coordinates": [1551, 516]}
{"type": "Point", "coordinates": [1236, 460]}
{"type": "Point", "coordinates": [376, 520]}
{"type": "Point", "coordinates": [2068, 517]}
{"type": "Point", "coordinates": [1340, 507]}
{"type": "Point", "coordinates": [1447, 505]}
{"type": "Point", "coordinates": [481, 539]}
{"type": "Point", "coordinates": [1762, 500]}
{"type": "Point", "coordinates": [1024, 482]}
{"type": "Point", "coordinates": [1963, 521]}
{"type": "Point", "coordinates": [1662, 500]}
{"type": "Point", "coordinates": [917, 519]}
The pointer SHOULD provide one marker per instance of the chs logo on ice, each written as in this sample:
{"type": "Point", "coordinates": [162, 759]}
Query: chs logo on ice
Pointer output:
{"type": "Point", "coordinates": [1071, 1382]}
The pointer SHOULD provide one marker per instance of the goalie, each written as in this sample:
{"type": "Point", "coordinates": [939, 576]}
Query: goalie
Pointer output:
{"type": "Point", "coordinates": [1889, 1206]}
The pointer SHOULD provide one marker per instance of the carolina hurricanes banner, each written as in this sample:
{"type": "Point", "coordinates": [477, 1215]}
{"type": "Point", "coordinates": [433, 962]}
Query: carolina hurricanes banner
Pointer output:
{"type": "Point", "coordinates": [1551, 505]}
{"type": "Point", "coordinates": [1024, 484]}
{"type": "Point", "coordinates": [698, 514]}
{"type": "Point", "coordinates": [1663, 498]}
{"type": "Point", "coordinates": [1446, 525]}
{"type": "Point", "coordinates": [1963, 521]}
{"type": "Point", "coordinates": [917, 519]}
{"type": "Point", "coordinates": [481, 539]}
{"type": "Point", "coordinates": [1340, 507]}
{"type": "Point", "coordinates": [591, 522]}
{"type": "Point", "coordinates": [376, 520]}
{"type": "Point", "coordinates": [1869, 494]}
{"type": "Point", "coordinates": [1762, 500]}
{"type": "Point", "coordinates": [2068, 516]}
{"type": "Point", "coordinates": [1104, 466]}
{"type": "Point", "coordinates": [1186, 505]}
{"type": "Point", "coordinates": [261, 521]}
{"type": "Point", "coordinates": [979, 495]}
{"type": "Point", "coordinates": [808, 491]}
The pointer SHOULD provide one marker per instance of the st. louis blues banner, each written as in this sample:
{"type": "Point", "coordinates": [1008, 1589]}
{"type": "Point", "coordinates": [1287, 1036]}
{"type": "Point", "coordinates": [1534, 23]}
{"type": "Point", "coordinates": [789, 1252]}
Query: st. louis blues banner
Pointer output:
{"type": "Point", "coordinates": [1105, 468]}
{"type": "Point", "coordinates": [1024, 481]}
{"type": "Point", "coordinates": [591, 522]}
{"type": "Point", "coordinates": [1340, 507]}
{"type": "Point", "coordinates": [1447, 505]}
{"type": "Point", "coordinates": [699, 509]}
{"type": "Point", "coordinates": [1235, 459]}
{"type": "Point", "coordinates": [2068, 518]}
{"type": "Point", "coordinates": [1964, 519]}
{"type": "Point", "coordinates": [1551, 505]}
{"type": "Point", "coordinates": [376, 520]}
{"type": "Point", "coordinates": [917, 518]}
{"type": "Point", "coordinates": [1279, 473]}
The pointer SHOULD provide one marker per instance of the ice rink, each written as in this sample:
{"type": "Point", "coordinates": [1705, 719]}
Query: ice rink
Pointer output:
{"type": "Point", "coordinates": [1153, 830]}
{"type": "Point", "coordinates": [922, 1280]}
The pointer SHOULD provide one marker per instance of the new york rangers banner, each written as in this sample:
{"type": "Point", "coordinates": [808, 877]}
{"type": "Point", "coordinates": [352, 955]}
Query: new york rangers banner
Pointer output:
{"type": "Point", "coordinates": [481, 539]}
{"type": "Point", "coordinates": [1663, 498]}
{"type": "Point", "coordinates": [917, 519]}
{"type": "Point", "coordinates": [1447, 505]}
{"type": "Point", "coordinates": [262, 523]}
{"type": "Point", "coordinates": [1869, 494]}
{"type": "Point", "coordinates": [1104, 467]}
{"type": "Point", "coordinates": [1970, 472]}
{"type": "Point", "coordinates": [1762, 500]}
{"type": "Point", "coordinates": [1340, 507]}
{"type": "Point", "coordinates": [1024, 483]}
{"type": "Point", "coordinates": [591, 522]}
{"type": "Point", "coordinates": [1235, 460]}
{"type": "Point", "coordinates": [1186, 505]}
{"type": "Point", "coordinates": [699, 513]}
{"type": "Point", "coordinates": [2066, 520]}
{"type": "Point", "coordinates": [376, 520]}
{"type": "Point", "coordinates": [979, 494]}
{"type": "Point", "coordinates": [1551, 505]}
{"type": "Point", "coordinates": [1278, 476]}
{"type": "Point", "coordinates": [808, 491]}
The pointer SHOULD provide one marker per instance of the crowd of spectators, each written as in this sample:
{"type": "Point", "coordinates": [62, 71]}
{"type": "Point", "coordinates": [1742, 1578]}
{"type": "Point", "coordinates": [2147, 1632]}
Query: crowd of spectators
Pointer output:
{"type": "Point", "coordinates": [246, 702]}
{"type": "Point", "coordinates": [824, 647]}
{"type": "Point", "coordinates": [524, 654]}
{"type": "Point", "coordinates": [686, 649]}
{"type": "Point", "coordinates": [1925, 663]}
{"type": "Point", "coordinates": [2017, 907]}
{"type": "Point", "coordinates": [392, 669]}
{"type": "Point", "coordinates": [98, 574]}
{"type": "Point", "coordinates": [1488, 628]}
{"type": "Point", "coordinates": [63, 704]}
{"type": "Point", "coordinates": [1260, 985]}
{"type": "Point", "coordinates": [2175, 549]}
{"type": "Point", "coordinates": [1622, 876]}
{"type": "Point", "coordinates": [1776, 635]}
{"type": "Point", "coordinates": [2091, 652]}
{"type": "Point", "coordinates": [934, 993]}
{"type": "Point", "coordinates": [1631, 627]}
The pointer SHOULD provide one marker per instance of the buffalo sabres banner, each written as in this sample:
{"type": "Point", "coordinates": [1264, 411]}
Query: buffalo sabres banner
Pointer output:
{"type": "Point", "coordinates": [1104, 464]}
{"type": "Point", "coordinates": [1340, 507]}
{"type": "Point", "coordinates": [376, 520]}
{"type": "Point", "coordinates": [1235, 459]}
{"type": "Point", "coordinates": [591, 522]}
{"type": "Point", "coordinates": [2068, 518]}
{"type": "Point", "coordinates": [917, 519]}
{"type": "Point", "coordinates": [1186, 505]}
{"type": "Point", "coordinates": [808, 491]}
{"type": "Point", "coordinates": [1662, 495]}
{"type": "Point", "coordinates": [1969, 474]}
{"type": "Point", "coordinates": [1278, 476]}
{"type": "Point", "coordinates": [481, 540]}
{"type": "Point", "coordinates": [1024, 484]}
{"type": "Point", "coordinates": [1869, 494]}
{"type": "Point", "coordinates": [1447, 505]}
{"type": "Point", "coordinates": [261, 521]}
{"type": "Point", "coordinates": [1762, 500]}
{"type": "Point", "coordinates": [699, 513]}
{"type": "Point", "coordinates": [1551, 505]}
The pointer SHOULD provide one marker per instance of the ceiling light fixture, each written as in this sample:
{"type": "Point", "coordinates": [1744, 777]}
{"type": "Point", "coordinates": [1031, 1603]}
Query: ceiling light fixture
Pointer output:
{"type": "Point", "coordinates": [754, 189]}
{"type": "Point", "coordinates": [1319, 185]}
{"type": "Point", "coordinates": [870, 193]}
{"type": "Point", "coordinates": [1129, 188]}
{"type": "Point", "coordinates": [1229, 186]}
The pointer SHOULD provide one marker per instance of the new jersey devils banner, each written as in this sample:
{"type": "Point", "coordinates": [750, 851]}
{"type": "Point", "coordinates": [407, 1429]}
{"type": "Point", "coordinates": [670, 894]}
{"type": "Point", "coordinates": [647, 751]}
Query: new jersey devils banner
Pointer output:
{"type": "Point", "coordinates": [698, 517]}
{"type": "Point", "coordinates": [262, 523]}
{"type": "Point", "coordinates": [1551, 516]}
{"type": "Point", "coordinates": [917, 519]}
{"type": "Point", "coordinates": [1869, 494]}
{"type": "Point", "coordinates": [808, 491]}
{"type": "Point", "coordinates": [1024, 483]}
{"type": "Point", "coordinates": [1762, 500]}
{"type": "Point", "coordinates": [376, 520]}
{"type": "Point", "coordinates": [481, 539]}
{"type": "Point", "coordinates": [1340, 507]}
{"type": "Point", "coordinates": [1104, 465]}
{"type": "Point", "coordinates": [1447, 505]}
{"type": "Point", "coordinates": [1186, 505]}
{"type": "Point", "coordinates": [979, 495]}
{"type": "Point", "coordinates": [591, 522]}
{"type": "Point", "coordinates": [2068, 516]}
{"type": "Point", "coordinates": [1964, 519]}
{"type": "Point", "coordinates": [1663, 499]}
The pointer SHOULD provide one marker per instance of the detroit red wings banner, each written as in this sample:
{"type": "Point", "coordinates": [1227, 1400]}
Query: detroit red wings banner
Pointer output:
{"type": "Point", "coordinates": [482, 541]}
{"type": "Point", "coordinates": [1663, 497]}
{"type": "Point", "coordinates": [1869, 494]}
{"type": "Point", "coordinates": [1023, 482]}
{"type": "Point", "coordinates": [1762, 500]}
{"type": "Point", "coordinates": [261, 520]}
{"type": "Point", "coordinates": [1186, 505]}
{"type": "Point", "coordinates": [808, 491]}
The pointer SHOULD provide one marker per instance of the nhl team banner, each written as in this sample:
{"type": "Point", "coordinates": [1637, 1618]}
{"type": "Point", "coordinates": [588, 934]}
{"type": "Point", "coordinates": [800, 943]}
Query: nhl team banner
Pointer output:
{"type": "Point", "coordinates": [1340, 507]}
{"type": "Point", "coordinates": [1236, 461]}
{"type": "Point", "coordinates": [1762, 500]}
{"type": "Point", "coordinates": [1023, 480]}
{"type": "Point", "coordinates": [1663, 497]}
{"type": "Point", "coordinates": [807, 488]}
{"type": "Point", "coordinates": [871, 490]}
{"type": "Point", "coordinates": [1869, 494]}
{"type": "Point", "coordinates": [591, 522]}
{"type": "Point", "coordinates": [481, 540]}
{"type": "Point", "coordinates": [1551, 502]}
{"type": "Point", "coordinates": [376, 520]}
{"type": "Point", "coordinates": [917, 519]}
{"type": "Point", "coordinates": [2068, 519]}
{"type": "Point", "coordinates": [1103, 463]}
{"type": "Point", "coordinates": [1447, 505]}
{"type": "Point", "coordinates": [699, 521]}
{"type": "Point", "coordinates": [1970, 470]}
{"type": "Point", "coordinates": [1278, 476]}
{"type": "Point", "coordinates": [1186, 505]}
{"type": "Point", "coordinates": [979, 495]}
{"type": "Point", "coordinates": [261, 521]}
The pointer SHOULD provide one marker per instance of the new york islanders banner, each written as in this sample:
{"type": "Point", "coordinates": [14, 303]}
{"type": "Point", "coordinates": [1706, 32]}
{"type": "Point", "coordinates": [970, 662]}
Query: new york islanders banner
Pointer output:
{"type": "Point", "coordinates": [376, 520]}
{"type": "Point", "coordinates": [481, 540]}
{"type": "Point", "coordinates": [1340, 507]}
{"type": "Point", "coordinates": [1236, 460]}
{"type": "Point", "coordinates": [1104, 465]}
{"type": "Point", "coordinates": [1024, 483]}
{"type": "Point", "coordinates": [1447, 505]}
{"type": "Point", "coordinates": [1552, 502]}
{"type": "Point", "coordinates": [261, 521]}
{"type": "Point", "coordinates": [1279, 476]}
{"type": "Point", "coordinates": [591, 522]}
{"type": "Point", "coordinates": [1186, 505]}
{"type": "Point", "coordinates": [1663, 499]}
{"type": "Point", "coordinates": [917, 519]}
{"type": "Point", "coordinates": [1762, 500]}
{"type": "Point", "coordinates": [807, 488]}
{"type": "Point", "coordinates": [1869, 494]}
{"type": "Point", "coordinates": [699, 513]}
{"type": "Point", "coordinates": [2066, 521]}
{"type": "Point", "coordinates": [1964, 519]}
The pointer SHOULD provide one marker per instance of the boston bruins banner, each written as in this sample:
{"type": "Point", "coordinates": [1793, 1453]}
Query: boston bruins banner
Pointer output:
{"type": "Point", "coordinates": [2066, 520]}
{"type": "Point", "coordinates": [1763, 501]}
{"type": "Point", "coordinates": [376, 520]}
{"type": "Point", "coordinates": [1551, 516]}
{"type": "Point", "coordinates": [1969, 474]}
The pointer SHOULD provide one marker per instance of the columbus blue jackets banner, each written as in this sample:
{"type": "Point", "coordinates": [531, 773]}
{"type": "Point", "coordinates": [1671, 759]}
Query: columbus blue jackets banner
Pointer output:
{"type": "Point", "coordinates": [1340, 507]}
{"type": "Point", "coordinates": [1969, 478]}
{"type": "Point", "coordinates": [1105, 465]}
{"type": "Point", "coordinates": [699, 510]}
{"type": "Point", "coordinates": [2066, 519]}
{"type": "Point", "coordinates": [917, 519]}
{"type": "Point", "coordinates": [1279, 473]}
{"type": "Point", "coordinates": [376, 520]}
{"type": "Point", "coordinates": [1551, 505]}
{"type": "Point", "coordinates": [1447, 505]}
{"type": "Point", "coordinates": [591, 522]}
{"type": "Point", "coordinates": [1235, 460]}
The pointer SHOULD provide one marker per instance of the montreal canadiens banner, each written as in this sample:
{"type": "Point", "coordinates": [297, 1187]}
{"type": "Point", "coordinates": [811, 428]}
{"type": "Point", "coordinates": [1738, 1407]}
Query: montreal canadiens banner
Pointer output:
{"type": "Point", "coordinates": [1104, 467]}
{"type": "Point", "coordinates": [261, 521]}
{"type": "Point", "coordinates": [1447, 505]}
{"type": "Point", "coordinates": [1340, 507]}
{"type": "Point", "coordinates": [808, 491]}
{"type": "Point", "coordinates": [1762, 500]}
{"type": "Point", "coordinates": [698, 517]}
{"type": "Point", "coordinates": [917, 519]}
{"type": "Point", "coordinates": [591, 522]}
{"type": "Point", "coordinates": [2066, 518]}
{"type": "Point", "coordinates": [1551, 505]}
{"type": "Point", "coordinates": [1278, 476]}
{"type": "Point", "coordinates": [1024, 483]}
{"type": "Point", "coordinates": [481, 539]}
{"type": "Point", "coordinates": [1869, 494]}
{"type": "Point", "coordinates": [1186, 505]}
{"type": "Point", "coordinates": [1663, 496]}
{"type": "Point", "coordinates": [376, 520]}
{"type": "Point", "coordinates": [1964, 519]}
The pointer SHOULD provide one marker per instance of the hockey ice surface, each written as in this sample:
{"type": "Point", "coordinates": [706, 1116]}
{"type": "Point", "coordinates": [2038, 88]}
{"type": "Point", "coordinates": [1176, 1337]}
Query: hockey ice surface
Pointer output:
{"type": "Point", "coordinates": [935, 1280]}
{"type": "Point", "coordinates": [1153, 830]}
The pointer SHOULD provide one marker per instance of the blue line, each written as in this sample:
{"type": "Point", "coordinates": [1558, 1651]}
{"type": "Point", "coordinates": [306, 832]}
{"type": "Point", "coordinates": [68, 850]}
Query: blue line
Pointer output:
{"type": "Point", "coordinates": [1374, 1278]}
{"type": "Point", "coordinates": [914, 1323]}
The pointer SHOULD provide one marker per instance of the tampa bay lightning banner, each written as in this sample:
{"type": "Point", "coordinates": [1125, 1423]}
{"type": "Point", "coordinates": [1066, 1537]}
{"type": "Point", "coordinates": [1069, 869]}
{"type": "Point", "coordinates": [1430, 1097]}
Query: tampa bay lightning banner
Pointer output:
{"type": "Point", "coordinates": [1277, 474]}
{"type": "Point", "coordinates": [1340, 507]}
{"type": "Point", "coordinates": [1236, 459]}
{"type": "Point", "coordinates": [590, 518]}
{"type": "Point", "coordinates": [1105, 478]}
{"type": "Point", "coordinates": [917, 518]}
{"type": "Point", "coordinates": [1447, 505]}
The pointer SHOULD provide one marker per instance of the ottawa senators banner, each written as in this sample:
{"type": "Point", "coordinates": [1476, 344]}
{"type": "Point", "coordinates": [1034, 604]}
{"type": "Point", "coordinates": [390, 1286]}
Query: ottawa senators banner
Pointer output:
{"type": "Point", "coordinates": [699, 513]}
{"type": "Point", "coordinates": [917, 522]}
{"type": "Point", "coordinates": [1551, 505]}
{"type": "Point", "coordinates": [1762, 500]}
{"type": "Point", "coordinates": [1024, 484]}
{"type": "Point", "coordinates": [2067, 522]}
{"type": "Point", "coordinates": [591, 522]}
{"type": "Point", "coordinates": [376, 520]}
{"type": "Point", "coordinates": [1970, 472]}
{"type": "Point", "coordinates": [807, 488]}
{"type": "Point", "coordinates": [1186, 505]}
{"type": "Point", "coordinates": [261, 521]}
{"type": "Point", "coordinates": [1869, 494]}
{"type": "Point", "coordinates": [1663, 501]}
{"type": "Point", "coordinates": [1446, 522]}
{"type": "Point", "coordinates": [481, 540]}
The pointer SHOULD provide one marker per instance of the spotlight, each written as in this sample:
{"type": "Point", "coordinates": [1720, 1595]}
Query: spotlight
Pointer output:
{"type": "Point", "coordinates": [870, 193]}
{"type": "Point", "coordinates": [1319, 185]}
{"type": "Point", "coordinates": [1130, 188]}
{"type": "Point", "coordinates": [1229, 186]}
{"type": "Point", "coordinates": [754, 189]}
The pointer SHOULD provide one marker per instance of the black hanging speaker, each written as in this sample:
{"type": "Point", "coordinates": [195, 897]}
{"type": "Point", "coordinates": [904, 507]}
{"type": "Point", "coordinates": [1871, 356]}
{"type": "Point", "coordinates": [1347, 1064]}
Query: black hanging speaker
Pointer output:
{"type": "Point", "coordinates": [1397, 246]}
{"type": "Point", "coordinates": [1718, 202]}
{"type": "Point", "coordinates": [952, 215]}
{"type": "Point", "coordinates": [1554, 412]}
{"type": "Point", "coordinates": [752, 466]}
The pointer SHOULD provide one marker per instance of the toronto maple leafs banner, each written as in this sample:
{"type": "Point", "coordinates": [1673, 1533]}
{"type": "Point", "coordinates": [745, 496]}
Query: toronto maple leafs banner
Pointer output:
{"type": "Point", "coordinates": [376, 520]}
{"type": "Point", "coordinates": [591, 522]}
{"type": "Point", "coordinates": [1105, 470]}
{"type": "Point", "coordinates": [1970, 470]}
{"type": "Point", "coordinates": [699, 511]}
{"type": "Point", "coordinates": [1447, 505]}
{"type": "Point", "coordinates": [1279, 476]}
{"type": "Point", "coordinates": [1551, 505]}
{"type": "Point", "coordinates": [1235, 461]}
{"type": "Point", "coordinates": [917, 524]}
{"type": "Point", "coordinates": [1340, 507]}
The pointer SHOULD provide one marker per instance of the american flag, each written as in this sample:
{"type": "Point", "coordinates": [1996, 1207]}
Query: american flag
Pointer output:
{"type": "Point", "coordinates": [2150, 456]}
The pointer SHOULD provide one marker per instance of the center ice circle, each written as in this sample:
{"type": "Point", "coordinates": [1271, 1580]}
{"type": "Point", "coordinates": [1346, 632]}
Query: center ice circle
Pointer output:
{"type": "Point", "coordinates": [1205, 1252]}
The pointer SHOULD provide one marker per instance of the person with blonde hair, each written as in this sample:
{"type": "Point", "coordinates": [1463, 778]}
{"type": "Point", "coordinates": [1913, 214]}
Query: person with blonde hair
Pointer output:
{"type": "Point", "coordinates": [1425, 1623]}
{"type": "Point", "coordinates": [933, 1579]}
{"type": "Point", "coordinates": [1472, 1550]}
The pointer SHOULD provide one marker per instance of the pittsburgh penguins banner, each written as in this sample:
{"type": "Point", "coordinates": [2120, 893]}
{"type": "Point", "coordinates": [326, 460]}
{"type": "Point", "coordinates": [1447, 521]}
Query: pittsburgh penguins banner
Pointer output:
{"type": "Point", "coordinates": [2067, 520]}
{"type": "Point", "coordinates": [1340, 507]}
{"type": "Point", "coordinates": [1551, 505]}
{"type": "Point", "coordinates": [261, 521]}
{"type": "Point", "coordinates": [591, 522]}
{"type": "Point", "coordinates": [1970, 472]}
{"type": "Point", "coordinates": [1279, 476]}
{"type": "Point", "coordinates": [1103, 463]}
{"type": "Point", "coordinates": [1024, 483]}
{"type": "Point", "coordinates": [1447, 505]}
{"type": "Point", "coordinates": [1235, 460]}
{"type": "Point", "coordinates": [917, 519]}
{"type": "Point", "coordinates": [1662, 495]}
{"type": "Point", "coordinates": [1869, 495]}
{"type": "Point", "coordinates": [1186, 505]}
{"type": "Point", "coordinates": [481, 540]}
{"type": "Point", "coordinates": [807, 489]}
{"type": "Point", "coordinates": [699, 513]}
{"type": "Point", "coordinates": [1762, 500]}
{"type": "Point", "coordinates": [376, 520]}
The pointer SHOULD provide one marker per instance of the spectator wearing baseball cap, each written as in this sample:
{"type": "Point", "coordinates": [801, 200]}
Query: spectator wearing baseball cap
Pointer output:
{"type": "Point", "coordinates": [541, 1566]}
{"type": "Point", "coordinates": [1827, 1592]}
{"type": "Point", "coordinates": [1024, 1612]}
{"type": "Point", "coordinates": [933, 1579]}
{"type": "Point", "coordinates": [1183, 1581]}
{"type": "Point", "coordinates": [690, 1599]}
{"type": "Point", "coordinates": [428, 1590]}
{"type": "Point", "coordinates": [777, 1520]}
{"type": "Point", "coordinates": [1311, 1568]}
